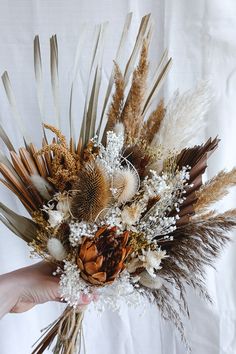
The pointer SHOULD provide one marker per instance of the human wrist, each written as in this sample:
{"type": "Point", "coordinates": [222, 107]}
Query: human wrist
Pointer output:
{"type": "Point", "coordinates": [10, 289]}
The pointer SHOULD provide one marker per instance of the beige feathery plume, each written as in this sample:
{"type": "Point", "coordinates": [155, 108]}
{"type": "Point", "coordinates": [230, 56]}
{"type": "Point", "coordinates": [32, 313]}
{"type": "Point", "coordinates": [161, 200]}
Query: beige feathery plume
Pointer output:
{"type": "Point", "coordinates": [152, 125]}
{"type": "Point", "coordinates": [132, 113]}
{"type": "Point", "coordinates": [91, 192]}
{"type": "Point", "coordinates": [125, 183]}
{"type": "Point", "coordinates": [214, 190]}
{"type": "Point", "coordinates": [117, 102]}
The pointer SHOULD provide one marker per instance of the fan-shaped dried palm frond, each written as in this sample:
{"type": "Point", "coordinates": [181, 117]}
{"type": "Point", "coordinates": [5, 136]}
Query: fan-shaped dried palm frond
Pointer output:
{"type": "Point", "coordinates": [196, 158]}
{"type": "Point", "coordinates": [23, 227]}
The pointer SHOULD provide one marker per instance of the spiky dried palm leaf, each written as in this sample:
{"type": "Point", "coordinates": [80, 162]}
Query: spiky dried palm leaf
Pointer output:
{"type": "Point", "coordinates": [197, 158]}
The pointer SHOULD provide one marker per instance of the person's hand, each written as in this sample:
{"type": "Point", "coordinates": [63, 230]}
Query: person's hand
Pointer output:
{"type": "Point", "coordinates": [26, 287]}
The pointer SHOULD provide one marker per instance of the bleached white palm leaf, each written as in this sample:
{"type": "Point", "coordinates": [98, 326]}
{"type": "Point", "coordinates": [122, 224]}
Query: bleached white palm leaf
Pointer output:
{"type": "Point", "coordinates": [55, 77]}
{"type": "Point", "coordinates": [184, 118]}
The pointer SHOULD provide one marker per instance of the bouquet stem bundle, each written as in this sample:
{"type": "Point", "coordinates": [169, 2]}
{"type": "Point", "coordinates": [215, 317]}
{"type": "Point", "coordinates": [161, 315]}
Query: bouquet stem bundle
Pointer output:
{"type": "Point", "coordinates": [66, 330]}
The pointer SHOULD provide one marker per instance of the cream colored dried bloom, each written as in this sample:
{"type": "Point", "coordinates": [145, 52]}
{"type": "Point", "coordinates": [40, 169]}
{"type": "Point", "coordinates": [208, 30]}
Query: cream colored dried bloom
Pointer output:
{"type": "Point", "coordinates": [64, 205]}
{"type": "Point", "coordinates": [151, 260]}
{"type": "Point", "coordinates": [55, 217]}
{"type": "Point", "coordinates": [130, 215]}
{"type": "Point", "coordinates": [150, 282]}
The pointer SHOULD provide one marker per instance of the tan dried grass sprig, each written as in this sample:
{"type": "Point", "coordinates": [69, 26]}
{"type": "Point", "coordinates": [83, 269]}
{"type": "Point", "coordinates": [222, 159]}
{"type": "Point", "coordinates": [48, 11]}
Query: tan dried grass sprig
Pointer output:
{"type": "Point", "coordinates": [132, 113]}
{"type": "Point", "coordinates": [194, 246]}
{"type": "Point", "coordinates": [152, 125]}
{"type": "Point", "coordinates": [215, 189]}
{"type": "Point", "coordinates": [116, 106]}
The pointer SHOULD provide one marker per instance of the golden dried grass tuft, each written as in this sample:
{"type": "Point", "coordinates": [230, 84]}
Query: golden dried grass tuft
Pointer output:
{"type": "Point", "coordinates": [152, 125]}
{"type": "Point", "coordinates": [117, 103]}
{"type": "Point", "coordinates": [214, 190]}
{"type": "Point", "coordinates": [132, 112]}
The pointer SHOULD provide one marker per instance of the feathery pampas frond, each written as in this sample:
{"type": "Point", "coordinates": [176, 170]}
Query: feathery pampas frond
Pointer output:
{"type": "Point", "coordinates": [214, 190]}
{"type": "Point", "coordinates": [194, 246]}
{"type": "Point", "coordinates": [183, 118]}
{"type": "Point", "coordinates": [132, 112]}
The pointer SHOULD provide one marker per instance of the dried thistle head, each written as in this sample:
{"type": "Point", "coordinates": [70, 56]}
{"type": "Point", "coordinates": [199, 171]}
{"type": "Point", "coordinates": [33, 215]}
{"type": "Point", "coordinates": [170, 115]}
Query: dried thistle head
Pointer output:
{"type": "Point", "coordinates": [91, 192]}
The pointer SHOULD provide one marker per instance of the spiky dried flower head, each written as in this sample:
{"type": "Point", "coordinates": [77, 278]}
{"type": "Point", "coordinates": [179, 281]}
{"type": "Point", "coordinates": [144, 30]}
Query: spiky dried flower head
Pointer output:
{"type": "Point", "coordinates": [91, 192]}
{"type": "Point", "coordinates": [101, 259]}
{"type": "Point", "coordinates": [125, 185]}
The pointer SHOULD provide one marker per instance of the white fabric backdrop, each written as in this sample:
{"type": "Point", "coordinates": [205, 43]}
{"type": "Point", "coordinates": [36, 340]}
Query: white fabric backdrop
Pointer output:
{"type": "Point", "coordinates": [201, 37]}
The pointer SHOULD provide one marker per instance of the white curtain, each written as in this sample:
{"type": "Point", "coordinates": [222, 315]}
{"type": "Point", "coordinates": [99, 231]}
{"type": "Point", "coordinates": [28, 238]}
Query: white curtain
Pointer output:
{"type": "Point", "coordinates": [201, 38]}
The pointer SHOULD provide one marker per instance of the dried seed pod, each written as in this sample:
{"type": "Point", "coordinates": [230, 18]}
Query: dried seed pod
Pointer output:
{"type": "Point", "coordinates": [101, 259]}
{"type": "Point", "coordinates": [91, 192]}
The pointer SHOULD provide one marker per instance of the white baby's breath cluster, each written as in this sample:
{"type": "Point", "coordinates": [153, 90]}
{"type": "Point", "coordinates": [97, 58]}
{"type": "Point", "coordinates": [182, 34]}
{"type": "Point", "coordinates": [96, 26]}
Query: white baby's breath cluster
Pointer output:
{"type": "Point", "coordinates": [72, 285]}
{"type": "Point", "coordinates": [122, 290]}
{"type": "Point", "coordinates": [170, 188]}
{"type": "Point", "coordinates": [80, 229]}
{"type": "Point", "coordinates": [110, 156]}
{"type": "Point", "coordinates": [111, 296]}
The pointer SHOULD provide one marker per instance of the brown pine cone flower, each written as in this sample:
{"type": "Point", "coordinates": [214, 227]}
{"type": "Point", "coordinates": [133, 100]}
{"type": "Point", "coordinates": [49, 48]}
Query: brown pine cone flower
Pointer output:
{"type": "Point", "coordinates": [101, 259]}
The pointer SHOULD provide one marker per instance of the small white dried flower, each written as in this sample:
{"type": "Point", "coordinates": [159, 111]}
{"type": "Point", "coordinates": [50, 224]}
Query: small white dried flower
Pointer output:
{"type": "Point", "coordinates": [150, 282]}
{"type": "Point", "coordinates": [56, 249]}
{"type": "Point", "coordinates": [130, 215]}
{"type": "Point", "coordinates": [151, 260]}
{"type": "Point", "coordinates": [64, 206]}
{"type": "Point", "coordinates": [125, 182]}
{"type": "Point", "coordinates": [55, 217]}
{"type": "Point", "coordinates": [119, 129]}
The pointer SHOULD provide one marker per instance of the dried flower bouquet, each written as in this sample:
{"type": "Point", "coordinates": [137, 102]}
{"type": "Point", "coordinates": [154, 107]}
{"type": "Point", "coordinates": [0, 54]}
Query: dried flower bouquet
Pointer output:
{"type": "Point", "coordinates": [121, 209]}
